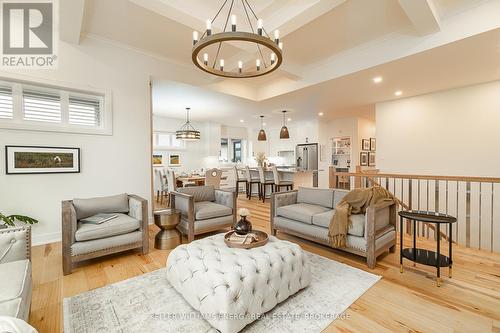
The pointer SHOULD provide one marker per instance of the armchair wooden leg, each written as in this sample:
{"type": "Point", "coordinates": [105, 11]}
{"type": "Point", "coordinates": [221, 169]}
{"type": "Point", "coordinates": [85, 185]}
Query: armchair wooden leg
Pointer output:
{"type": "Point", "coordinates": [190, 237]}
{"type": "Point", "coordinates": [371, 261]}
{"type": "Point", "coordinates": [273, 232]}
{"type": "Point", "coordinates": [67, 266]}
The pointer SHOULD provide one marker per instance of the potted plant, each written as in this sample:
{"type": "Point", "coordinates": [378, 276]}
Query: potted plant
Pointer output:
{"type": "Point", "coordinates": [8, 221]}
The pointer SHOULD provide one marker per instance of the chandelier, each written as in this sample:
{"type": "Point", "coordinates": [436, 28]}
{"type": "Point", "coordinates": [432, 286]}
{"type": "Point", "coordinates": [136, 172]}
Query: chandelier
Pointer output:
{"type": "Point", "coordinates": [269, 50]}
{"type": "Point", "coordinates": [187, 131]}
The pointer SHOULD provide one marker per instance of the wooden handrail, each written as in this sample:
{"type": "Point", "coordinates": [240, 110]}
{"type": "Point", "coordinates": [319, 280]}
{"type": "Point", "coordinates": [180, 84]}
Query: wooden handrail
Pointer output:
{"type": "Point", "coordinates": [421, 177]}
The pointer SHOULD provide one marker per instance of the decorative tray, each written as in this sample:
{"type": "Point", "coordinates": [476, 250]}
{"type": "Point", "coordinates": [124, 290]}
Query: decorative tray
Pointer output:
{"type": "Point", "coordinates": [261, 236]}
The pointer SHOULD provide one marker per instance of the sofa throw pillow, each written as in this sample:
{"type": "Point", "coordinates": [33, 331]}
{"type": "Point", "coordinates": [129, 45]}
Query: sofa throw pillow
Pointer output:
{"type": "Point", "coordinates": [315, 196]}
{"type": "Point", "coordinates": [200, 193]}
{"type": "Point", "coordinates": [112, 204]}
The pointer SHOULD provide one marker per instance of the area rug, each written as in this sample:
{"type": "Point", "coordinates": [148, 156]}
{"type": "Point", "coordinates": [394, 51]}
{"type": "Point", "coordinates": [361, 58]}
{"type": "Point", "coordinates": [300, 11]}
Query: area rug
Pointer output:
{"type": "Point", "coordinates": [148, 303]}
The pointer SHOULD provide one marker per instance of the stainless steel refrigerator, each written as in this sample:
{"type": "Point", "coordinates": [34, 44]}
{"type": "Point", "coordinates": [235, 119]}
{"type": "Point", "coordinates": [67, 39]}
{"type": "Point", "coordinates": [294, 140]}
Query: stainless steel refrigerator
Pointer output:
{"type": "Point", "coordinates": [307, 156]}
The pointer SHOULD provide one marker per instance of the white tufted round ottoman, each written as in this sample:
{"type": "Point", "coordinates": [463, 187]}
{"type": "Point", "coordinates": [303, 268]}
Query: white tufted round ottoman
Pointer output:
{"type": "Point", "coordinates": [233, 287]}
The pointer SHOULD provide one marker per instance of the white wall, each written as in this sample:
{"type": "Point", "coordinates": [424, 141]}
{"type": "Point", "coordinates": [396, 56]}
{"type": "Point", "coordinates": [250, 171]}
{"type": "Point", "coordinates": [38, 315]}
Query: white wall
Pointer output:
{"type": "Point", "coordinates": [454, 132]}
{"type": "Point", "coordinates": [110, 164]}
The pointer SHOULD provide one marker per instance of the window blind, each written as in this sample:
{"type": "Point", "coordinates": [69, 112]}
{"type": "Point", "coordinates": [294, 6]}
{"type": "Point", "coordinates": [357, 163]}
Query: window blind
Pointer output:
{"type": "Point", "coordinates": [84, 111]}
{"type": "Point", "coordinates": [41, 106]}
{"type": "Point", "coordinates": [6, 111]}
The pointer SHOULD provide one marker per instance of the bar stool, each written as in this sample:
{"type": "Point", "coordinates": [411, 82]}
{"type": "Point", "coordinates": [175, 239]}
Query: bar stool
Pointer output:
{"type": "Point", "coordinates": [278, 183]}
{"type": "Point", "coordinates": [250, 181]}
{"type": "Point", "coordinates": [264, 182]}
{"type": "Point", "coordinates": [239, 180]}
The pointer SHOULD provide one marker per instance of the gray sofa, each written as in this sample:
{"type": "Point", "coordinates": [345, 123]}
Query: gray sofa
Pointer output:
{"type": "Point", "coordinates": [15, 272]}
{"type": "Point", "coordinates": [307, 213]}
{"type": "Point", "coordinates": [203, 209]}
{"type": "Point", "coordinates": [83, 241]}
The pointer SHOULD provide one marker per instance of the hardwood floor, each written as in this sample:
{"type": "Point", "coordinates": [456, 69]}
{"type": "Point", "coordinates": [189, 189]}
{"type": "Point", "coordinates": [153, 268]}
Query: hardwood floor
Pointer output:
{"type": "Point", "coordinates": [409, 302]}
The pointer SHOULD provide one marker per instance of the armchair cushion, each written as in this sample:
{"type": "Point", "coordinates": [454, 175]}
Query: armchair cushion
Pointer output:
{"type": "Point", "coordinates": [357, 227]}
{"type": "Point", "coordinates": [15, 294]}
{"type": "Point", "coordinates": [302, 212]}
{"type": "Point", "coordinates": [122, 224]}
{"type": "Point", "coordinates": [200, 193]}
{"type": "Point", "coordinates": [315, 196]}
{"type": "Point", "coordinates": [112, 204]}
{"type": "Point", "coordinates": [206, 210]}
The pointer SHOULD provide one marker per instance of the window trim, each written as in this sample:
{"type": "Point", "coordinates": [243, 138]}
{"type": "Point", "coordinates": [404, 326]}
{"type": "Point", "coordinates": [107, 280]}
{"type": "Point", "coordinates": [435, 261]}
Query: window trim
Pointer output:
{"type": "Point", "coordinates": [17, 82]}
{"type": "Point", "coordinates": [163, 148]}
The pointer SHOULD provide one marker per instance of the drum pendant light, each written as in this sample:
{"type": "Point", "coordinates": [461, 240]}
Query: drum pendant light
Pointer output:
{"type": "Point", "coordinates": [262, 134]}
{"type": "Point", "coordinates": [284, 134]}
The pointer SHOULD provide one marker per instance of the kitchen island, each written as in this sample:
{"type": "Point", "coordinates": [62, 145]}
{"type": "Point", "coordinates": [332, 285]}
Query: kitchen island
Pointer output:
{"type": "Point", "coordinates": [308, 178]}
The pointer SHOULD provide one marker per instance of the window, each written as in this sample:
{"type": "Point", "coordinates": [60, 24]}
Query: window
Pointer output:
{"type": "Point", "coordinates": [39, 106]}
{"type": "Point", "coordinates": [6, 111]}
{"type": "Point", "coordinates": [236, 150]}
{"type": "Point", "coordinates": [167, 140]}
{"type": "Point", "coordinates": [35, 107]}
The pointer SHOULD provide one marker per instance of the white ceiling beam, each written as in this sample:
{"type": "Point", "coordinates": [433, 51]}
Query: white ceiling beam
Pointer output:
{"type": "Point", "coordinates": [71, 19]}
{"type": "Point", "coordinates": [423, 15]}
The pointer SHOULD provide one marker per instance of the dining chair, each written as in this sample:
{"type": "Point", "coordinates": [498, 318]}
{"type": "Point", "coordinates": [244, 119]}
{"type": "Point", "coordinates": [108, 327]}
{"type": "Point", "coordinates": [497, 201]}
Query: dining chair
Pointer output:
{"type": "Point", "coordinates": [160, 183]}
{"type": "Point", "coordinates": [212, 177]}
{"type": "Point", "coordinates": [279, 183]}
{"type": "Point", "coordinates": [264, 182]}
{"type": "Point", "coordinates": [251, 180]}
{"type": "Point", "coordinates": [171, 183]}
{"type": "Point", "coordinates": [239, 179]}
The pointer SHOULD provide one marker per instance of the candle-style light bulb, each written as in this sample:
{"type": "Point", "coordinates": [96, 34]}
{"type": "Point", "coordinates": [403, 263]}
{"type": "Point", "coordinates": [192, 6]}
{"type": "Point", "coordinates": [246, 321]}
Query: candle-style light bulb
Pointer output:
{"type": "Point", "coordinates": [280, 45]}
{"type": "Point", "coordinates": [195, 37]}
{"type": "Point", "coordinates": [260, 24]}
{"type": "Point", "coordinates": [221, 64]}
{"type": "Point", "coordinates": [277, 36]}
{"type": "Point", "coordinates": [240, 66]}
{"type": "Point", "coordinates": [257, 63]}
{"type": "Point", "coordinates": [209, 27]}
{"type": "Point", "coordinates": [273, 58]}
{"type": "Point", "coordinates": [233, 23]}
{"type": "Point", "coordinates": [205, 59]}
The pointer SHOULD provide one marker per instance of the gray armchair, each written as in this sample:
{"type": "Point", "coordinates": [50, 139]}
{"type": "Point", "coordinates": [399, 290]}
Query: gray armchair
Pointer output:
{"type": "Point", "coordinates": [15, 272]}
{"type": "Point", "coordinates": [204, 209]}
{"type": "Point", "coordinates": [83, 241]}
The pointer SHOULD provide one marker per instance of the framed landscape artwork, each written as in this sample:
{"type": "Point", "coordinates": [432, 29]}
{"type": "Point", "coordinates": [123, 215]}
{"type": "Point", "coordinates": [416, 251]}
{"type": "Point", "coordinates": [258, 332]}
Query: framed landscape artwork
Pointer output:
{"type": "Point", "coordinates": [363, 158]}
{"type": "Point", "coordinates": [36, 159]}
{"type": "Point", "coordinates": [365, 144]}
{"type": "Point", "coordinates": [157, 159]}
{"type": "Point", "coordinates": [371, 159]}
{"type": "Point", "coordinates": [373, 144]}
{"type": "Point", "coordinates": [174, 160]}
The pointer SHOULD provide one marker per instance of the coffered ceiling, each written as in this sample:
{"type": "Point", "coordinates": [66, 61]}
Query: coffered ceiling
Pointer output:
{"type": "Point", "coordinates": [328, 45]}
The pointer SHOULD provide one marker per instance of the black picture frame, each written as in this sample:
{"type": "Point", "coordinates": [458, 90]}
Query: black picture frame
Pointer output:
{"type": "Point", "coordinates": [10, 167]}
{"type": "Point", "coordinates": [371, 159]}
{"type": "Point", "coordinates": [373, 144]}
{"type": "Point", "coordinates": [365, 144]}
{"type": "Point", "coordinates": [363, 158]}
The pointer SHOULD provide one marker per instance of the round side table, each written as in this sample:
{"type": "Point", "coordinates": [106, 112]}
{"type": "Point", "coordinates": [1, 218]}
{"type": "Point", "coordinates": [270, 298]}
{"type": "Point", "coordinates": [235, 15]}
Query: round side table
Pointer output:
{"type": "Point", "coordinates": [168, 237]}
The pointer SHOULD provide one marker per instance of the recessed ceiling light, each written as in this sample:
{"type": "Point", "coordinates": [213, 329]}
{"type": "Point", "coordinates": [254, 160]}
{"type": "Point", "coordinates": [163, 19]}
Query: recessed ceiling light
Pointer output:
{"type": "Point", "coordinates": [289, 119]}
{"type": "Point", "coordinates": [242, 121]}
{"type": "Point", "coordinates": [377, 79]}
{"type": "Point", "coordinates": [321, 113]}
{"type": "Point", "coordinates": [398, 93]}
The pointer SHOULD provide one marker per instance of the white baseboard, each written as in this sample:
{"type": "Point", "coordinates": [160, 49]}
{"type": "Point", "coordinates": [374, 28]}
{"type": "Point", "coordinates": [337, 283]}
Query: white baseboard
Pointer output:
{"type": "Point", "coordinates": [47, 238]}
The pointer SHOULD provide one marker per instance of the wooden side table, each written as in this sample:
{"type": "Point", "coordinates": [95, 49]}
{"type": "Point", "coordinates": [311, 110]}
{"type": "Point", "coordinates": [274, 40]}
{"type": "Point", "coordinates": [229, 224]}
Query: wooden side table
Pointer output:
{"type": "Point", "coordinates": [426, 257]}
{"type": "Point", "coordinates": [168, 237]}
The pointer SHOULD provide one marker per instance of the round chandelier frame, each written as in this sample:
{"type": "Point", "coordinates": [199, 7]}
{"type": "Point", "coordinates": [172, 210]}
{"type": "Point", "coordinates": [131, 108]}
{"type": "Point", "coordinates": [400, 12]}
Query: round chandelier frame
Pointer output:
{"type": "Point", "coordinates": [260, 38]}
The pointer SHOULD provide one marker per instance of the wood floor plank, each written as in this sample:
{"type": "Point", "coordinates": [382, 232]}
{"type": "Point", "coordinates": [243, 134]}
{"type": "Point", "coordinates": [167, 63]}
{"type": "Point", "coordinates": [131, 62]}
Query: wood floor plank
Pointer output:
{"type": "Point", "coordinates": [408, 302]}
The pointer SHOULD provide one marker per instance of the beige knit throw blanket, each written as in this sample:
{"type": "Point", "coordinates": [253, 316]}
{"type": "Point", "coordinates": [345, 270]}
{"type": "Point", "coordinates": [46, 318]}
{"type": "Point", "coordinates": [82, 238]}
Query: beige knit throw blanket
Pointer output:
{"type": "Point", "coordinates": [355, 202]}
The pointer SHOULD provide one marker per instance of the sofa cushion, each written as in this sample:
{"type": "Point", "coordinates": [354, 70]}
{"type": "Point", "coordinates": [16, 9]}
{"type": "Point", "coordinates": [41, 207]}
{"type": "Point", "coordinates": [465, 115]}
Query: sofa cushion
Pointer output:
{"type": "Point", "coordinates": [207, 210]}
{"type": "Point", "coordinates": [122, 224]}
{"type": "Point", "coordinates": [338, 195]}
{"type": "Point", "coordinates": [79, 248]}
{"type": "Point", "coordinates": [302, 212]}
{"type": "Point", "coordinates": [200, 193]}
{"type": "Point", "coordinates": [113, 204]}
{"type": "Point", "coordinates": [357, 227]}
{"type": "Point", "coordinates": [15, 294]}
{"type": "Point", "coordinates": [315, 196]}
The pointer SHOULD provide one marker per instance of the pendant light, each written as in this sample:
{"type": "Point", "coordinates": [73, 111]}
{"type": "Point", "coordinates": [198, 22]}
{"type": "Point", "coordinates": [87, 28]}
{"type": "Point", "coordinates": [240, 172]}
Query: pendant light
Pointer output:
{"type": "Point", "coordinates": [284, 130]}
{"type": "Point", "coordinates": [187, 132]}
{"type": "Point", "coordinates": [262, 134]}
